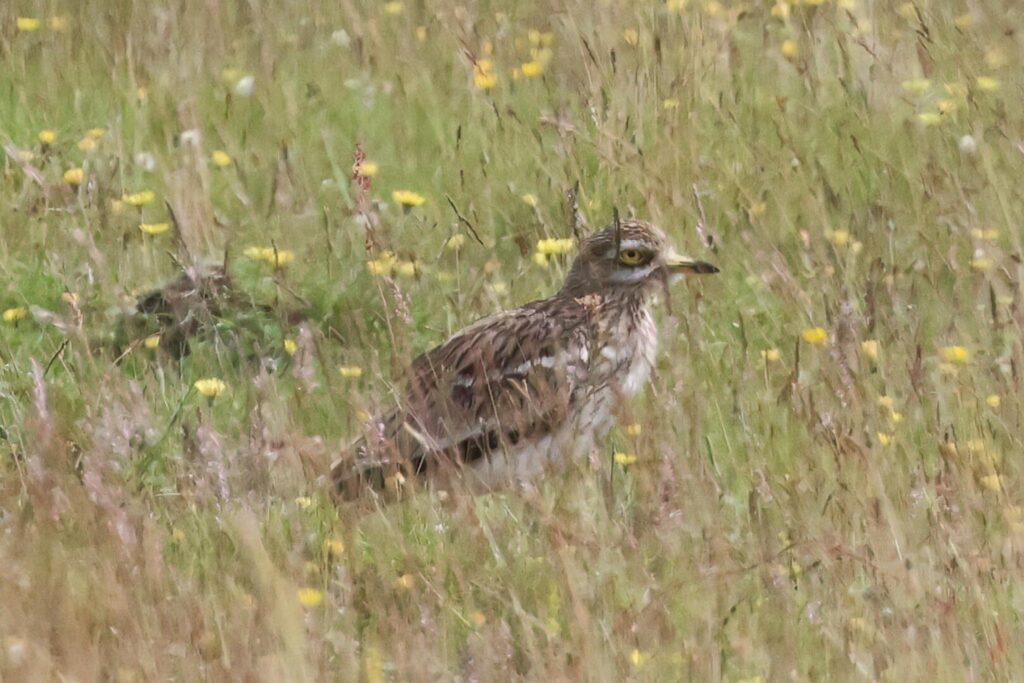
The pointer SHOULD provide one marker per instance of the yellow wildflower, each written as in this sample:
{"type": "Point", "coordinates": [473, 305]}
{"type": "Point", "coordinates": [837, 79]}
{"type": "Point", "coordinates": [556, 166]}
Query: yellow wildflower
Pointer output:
{"type": "Point", "coordinates": [840, 238]}
{"type": "Point", "coordinates": [220, 158]}
{"type": "Point", "coordinates": [917, 86]}
{"type": "Point", "coordinates": [780, 10]}
{"type": "Point", "coordinates": [310, 597]}
{"type": "Point", "coordinates": [87, 144]}
{"type": "Point", "coordinates": [13, 315]}
{"type": "Point", "coordinates": [74, 176]}
{"type": "Point", "coordinates": [540, 259]}
{"type": "Point", "coordinates": [771, 355]}
{"type": "Point", "coordinates": [405, 268]}
{"type": "Point", "coordinates": [555, 246]}
{"type": "Point", "coordinates": [670, 103]}
{"type": "Point", "coordinates": [638, 658]}
{"type": "Point", "coordinates": [456, 242]}
{"type": "Point", "coordinates": [815, 335]}
{"type": "Point", "coordinates": [421, 33]}
{"type": "Point", "coordinates": [929, 118]}
{"type": "Point", "coordinates": [334, 546]}
{"type": "Point", "coordinates": [379, 266]}
{"type": "Point", "coordinates": [477, 618]}
{"type": "Point", "coordinates": [350, 371]}
{"type": "Point", "coordinates": [70, 298]}
{"type": "Point", "coordinates": [954, 354]}
{"type": "Point", "coordinates": [947, 106]}
{"type": "Point", "coordinates": [886, 402]}
{"type": "Point", "coordinates": [993, 400]}
{"type": "Point", "coordinates": [870, 348]}
{"type": "Point", "coordinates": [304, 502]}
{"type": "Point", "coordinates": [789, 49]}
{"type": "Point", "coordinates": [394, 8]}
{"type": "Point", "coordinates": [633, 429]}
{"type": "Point", "coordinates": [405, 582]}
{"type": "Point", "coordinates": [139, 198]}
{"type": "Point", "coordinates": [154, 228]}
{"type": "Point", "coordinates": [290, 346]}
{"type": "Point", "coordinates": [47, 136]}
{"type": "Point", "coordinates": [631, 36]}
{"type": "Point", "coordinates": [530, 200]}
{"type": "Point", "coordinates": [152, 341]}
{"type": "Point", "coordinates": [624, 459]}
{"type": "Point", "coordinates": [26, 24]}
{"type": "Point", "coordinates": [211, 387]}
{"type": "Point", "coordinates": [987, 84]}
{"type": "Point", "coordinates": [896, 417]}
{"type": "Point", "coordinates": [95, 133]}
{"type": "Point", "coordinates": [530, 69]}
{"type": "Point", "coordinates": [369, 169]}
{"type": "Point", "coordinates": [484, 77]}
{"type": "Point", "coordinates": [884, 439]}
{"type": "Point", "coordinates": [407, 198]}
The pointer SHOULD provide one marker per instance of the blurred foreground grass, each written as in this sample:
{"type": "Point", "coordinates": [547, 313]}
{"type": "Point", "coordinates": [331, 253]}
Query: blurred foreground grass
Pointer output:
{"type": "Point", "coordinates": [827, 477]}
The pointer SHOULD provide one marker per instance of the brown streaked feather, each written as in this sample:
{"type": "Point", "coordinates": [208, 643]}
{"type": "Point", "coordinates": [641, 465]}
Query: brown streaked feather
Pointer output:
{"type": "Point", "coordinates": [507, 377]}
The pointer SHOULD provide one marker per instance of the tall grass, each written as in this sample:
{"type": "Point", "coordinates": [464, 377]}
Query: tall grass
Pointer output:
{"type": "Point", "coordinates": [834, 503]}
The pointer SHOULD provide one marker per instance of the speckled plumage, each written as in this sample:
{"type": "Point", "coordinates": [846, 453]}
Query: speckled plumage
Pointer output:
{"type": "Point", "coordinates": [527, 390]}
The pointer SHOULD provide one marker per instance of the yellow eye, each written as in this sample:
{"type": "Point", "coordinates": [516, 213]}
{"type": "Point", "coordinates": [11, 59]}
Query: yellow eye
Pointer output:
{"type": "Point", "coordinates": [631, 257]}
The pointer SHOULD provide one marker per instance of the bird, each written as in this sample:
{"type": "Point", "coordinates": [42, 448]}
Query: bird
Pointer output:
{"type": "Point", "coordinates": [525, 391]}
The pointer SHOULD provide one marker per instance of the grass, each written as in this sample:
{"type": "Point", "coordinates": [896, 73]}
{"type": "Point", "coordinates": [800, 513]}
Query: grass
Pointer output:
{"type": "Point", "coordinates": [837, 504]}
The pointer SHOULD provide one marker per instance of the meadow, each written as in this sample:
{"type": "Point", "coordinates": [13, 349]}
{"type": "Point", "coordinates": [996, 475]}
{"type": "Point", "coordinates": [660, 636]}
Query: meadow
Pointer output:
{"type": "Point", "coordinates": [823, 481]}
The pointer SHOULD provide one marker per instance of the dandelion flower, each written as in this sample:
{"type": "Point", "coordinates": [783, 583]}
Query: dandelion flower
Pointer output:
{"type": "Point", "coordinates": [916, 86]}
{"type": "Point", "coordinates": [95, 133]}
{"type": "Point", "coordinates": [87, 144]}
{"type": "Point", "coordinates": [771, 355]}
{"type": "Point", "coordinates": [840, 238]}
{"type": "Point", "coordinates": [789, 49]}
{"type": "Point", "coordinates": [304, 502]}
{"type": "Point", "coordinates": [884, 439]}
{"type": "Point", "coordinates": [334, 546]}
{"type": "Point", "coordinates": [670, 103]}
{"type": "Point", "coordinates": [993, 400]}
{"type": "Point", "coordinates": [152, 341]}
{"type": "Point", "coordinates": [870, 348]}
{"type": "Point", "coordinates": [47, 136]}
{"type": "Point", "coordinates": [540, 259]}
{"type": "Point", "coordinates": [70, 298]}
{"type": "Point", "coordinates": [13, 315]}
{"type": "Point", "coordinates": [929, 118]}
{"type": "Point", "coordinates": [310, 597]}
{"type": "Point", "coordinates": [780, 10]}
{"type": "Point", "coordinates": [210, 387]}
{"type": "Point", "coordinates": [531, 69]}
{"type": "Point", "coordinates": [350, 371]}
{"type": "Point", "coordinates": [74, 176]}
{"type": "Point", "coordinates": [638, 658]}
{"type": "Point", "coordinates": [987, 84]}
{"type": "Point", "coordinates": [553, 246]}
{"type": "Point", "coordinates": [624, 459]}
{"type": "Point", "coordinates": [27, 24]}
{"type": "Point", "coordinates": [633, 429]}
{"type": "Point", "coordinates": [290, 346]}
{"type": "Point", "coordinates": [405, 268]}
{"type": "Point", "coordinates": [368, 169]}
{"type": "Point", "coordinates": [456, 242]}
{"type": "Point", "coordinates": [220, 158]}
{"type": "Point", "coordinates": [631, 36]}
{"type": "Point", "coordinates": [954, 354]}
{"type": "Point", "coordinates": [484, 77]}
{"type": "Point", "coordinates": [815, 335]}
{"type": "Point", "coordinates": [394, 8]}
{"type": "Point", "coordinates": [379, 266]}
{"type": "Point", "coordinates": [530, 200]}
{"type": "Point", "coordinates": [139, 198]}
{"type": "Point", "coordinates": [408, 199]}
{"type": "Point", "coordinates": [154, 228]}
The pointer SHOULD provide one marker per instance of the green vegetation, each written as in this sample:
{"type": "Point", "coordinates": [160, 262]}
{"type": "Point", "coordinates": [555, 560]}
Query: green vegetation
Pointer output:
{"type": "Point", "coordinates": [826, 481]}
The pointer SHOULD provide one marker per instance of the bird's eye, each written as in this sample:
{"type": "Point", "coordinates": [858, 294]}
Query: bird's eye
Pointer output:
{"type": "Point", "coordinates": [631, 257]}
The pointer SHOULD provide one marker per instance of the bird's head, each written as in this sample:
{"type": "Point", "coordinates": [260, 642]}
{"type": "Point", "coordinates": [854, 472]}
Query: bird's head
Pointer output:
{"type": "Point", "coordinates": [629, 256]}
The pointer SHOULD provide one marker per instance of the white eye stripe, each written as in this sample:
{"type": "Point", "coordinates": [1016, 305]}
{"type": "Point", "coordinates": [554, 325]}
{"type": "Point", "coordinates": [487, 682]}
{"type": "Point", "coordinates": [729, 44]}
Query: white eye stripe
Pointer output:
{"type": "Point", "coordinates": [632, 274]}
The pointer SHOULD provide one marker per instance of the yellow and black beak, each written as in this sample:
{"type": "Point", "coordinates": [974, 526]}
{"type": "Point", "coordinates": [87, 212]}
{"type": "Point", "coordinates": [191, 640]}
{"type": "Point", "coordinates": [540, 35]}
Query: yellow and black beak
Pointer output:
{"type": "Point", "coordinates": [684, 265]}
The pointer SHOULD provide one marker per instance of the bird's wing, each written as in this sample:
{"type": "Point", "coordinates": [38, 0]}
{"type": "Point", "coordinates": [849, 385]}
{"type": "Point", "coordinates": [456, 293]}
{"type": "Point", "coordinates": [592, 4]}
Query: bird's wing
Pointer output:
{"type": "Point", "coordinates": [511, 376]}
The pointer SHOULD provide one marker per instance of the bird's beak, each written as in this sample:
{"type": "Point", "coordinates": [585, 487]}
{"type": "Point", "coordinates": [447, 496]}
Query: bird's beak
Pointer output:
{"type": "Point", "coordinates": [684, 265]}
